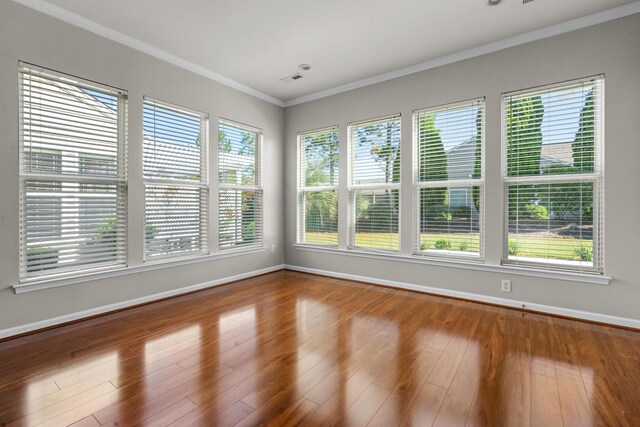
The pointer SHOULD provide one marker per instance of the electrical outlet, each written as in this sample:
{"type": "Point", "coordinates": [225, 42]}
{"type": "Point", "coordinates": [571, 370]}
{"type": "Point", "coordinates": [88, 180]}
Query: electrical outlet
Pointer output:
{"type": "Point", "coordinates": [506, 286]}
{"type": "Point", "coordinates": [273, 248]}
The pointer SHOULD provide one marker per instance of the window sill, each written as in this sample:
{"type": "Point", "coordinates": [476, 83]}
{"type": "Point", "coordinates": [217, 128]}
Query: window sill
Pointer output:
{"type": "Point", "coordinates": [467, 264]}
{"type": "Point", "coordinates": [40, 284]}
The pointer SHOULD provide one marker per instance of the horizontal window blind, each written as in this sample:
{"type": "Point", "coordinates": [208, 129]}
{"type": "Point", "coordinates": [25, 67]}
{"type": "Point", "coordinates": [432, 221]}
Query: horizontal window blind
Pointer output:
{"type": "Point", "coordinates": [175, 220]}
{"type": "Point", "coordinates": [374, 184]}
{"type": "Point", "coordinates": [449, 179]}
{"type": "Point", "coordinates": [318, 187]}
{"type": "Point", "coordinates": [240, 217]}
{"type": "Point", "coordinates": [175, 178]}
{"type": "Point", "coordinates": [240, 194]}
{"type": "Point", "coordinates": [553, 142]}
{"type": "Point", "coordinates": [376, 219]}
{"type": "Point", "coordinates": [73, 175]}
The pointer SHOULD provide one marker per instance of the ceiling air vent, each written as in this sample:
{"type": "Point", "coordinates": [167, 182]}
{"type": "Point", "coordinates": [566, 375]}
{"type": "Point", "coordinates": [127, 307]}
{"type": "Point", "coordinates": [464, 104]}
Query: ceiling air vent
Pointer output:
{"type": "Point", "coordinates": [527, 1]}
{"type": "Point", "coordinates": [291, 78]}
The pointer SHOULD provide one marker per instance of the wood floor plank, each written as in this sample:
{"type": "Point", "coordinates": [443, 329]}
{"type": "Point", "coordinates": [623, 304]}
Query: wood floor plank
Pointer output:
{"type": "Point", "coordinates": [52, 411]}
{"type": "Point", "coordinates": [545, 401]}
{"type": "Point", "coordinates": [290, 348]}
{"type": "Point", "coordinates": [410, 380]}
{"type": "Point", "coordinates": [366, 405]}
{"type": "Point", "coordinates": [427, 405]}
{"type": "Point", "coordinates": [457, 403]}
{"type": "Point", "coordinates": [89, 421]}
{"type": "Point", "coordinates": [171, 413]}
{"type": "Point", "coordinates": [294, 415]}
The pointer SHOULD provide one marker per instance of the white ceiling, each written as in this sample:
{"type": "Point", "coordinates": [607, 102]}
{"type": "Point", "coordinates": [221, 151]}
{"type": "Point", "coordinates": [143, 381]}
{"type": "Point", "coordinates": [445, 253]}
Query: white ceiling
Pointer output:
{"type": "Point", "coordinates": [257, 42]}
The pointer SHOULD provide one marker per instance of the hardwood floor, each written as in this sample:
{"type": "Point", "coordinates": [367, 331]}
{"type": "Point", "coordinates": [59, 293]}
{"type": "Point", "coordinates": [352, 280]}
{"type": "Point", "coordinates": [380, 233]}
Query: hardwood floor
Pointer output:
{"type": "Point", "coordinates": [295, 349]}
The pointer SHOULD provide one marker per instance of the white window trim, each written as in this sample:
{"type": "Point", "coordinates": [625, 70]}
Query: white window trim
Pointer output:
{"type": "Point", "coordinates": [301, 189]}
{"type": "Point", "coordinates": [456, 183]}
{"type": "Point", "coordinates": [203, 184]}
{"type": "Point", "coordinates": [466, 264]}
{"type": "Point", "coordinates": [597, 178]}
{"type": "Point", "coordinates": [352, 188]}
{"type": "Point", "coordinates": [258, 188]}
{"type": "Point", "coordinates": [121, 180]}
{"type": "Point", "coordinates": [90, 276]}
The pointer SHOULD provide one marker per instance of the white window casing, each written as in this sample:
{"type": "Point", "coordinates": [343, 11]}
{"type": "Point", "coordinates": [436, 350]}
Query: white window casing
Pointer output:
{"type": "Point", "coordinates": [73, 175]}
{"type": "Point", "coordinates": [553, 174]}
{"type": "Point", "coordinates": [448, 180]}
{"type": "Point", "coordinates": [175, 163]}
{"type": "Point", "coordinates": [240, 193]}
{"type": "Point", "coordinates": [374, 184]}
{"type": "Point", "coordinates": [318, 164]}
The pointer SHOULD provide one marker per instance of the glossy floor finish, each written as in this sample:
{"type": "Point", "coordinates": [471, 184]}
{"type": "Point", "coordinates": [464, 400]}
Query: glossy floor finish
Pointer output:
{"type": "Point", "coordinates": [294, 349]}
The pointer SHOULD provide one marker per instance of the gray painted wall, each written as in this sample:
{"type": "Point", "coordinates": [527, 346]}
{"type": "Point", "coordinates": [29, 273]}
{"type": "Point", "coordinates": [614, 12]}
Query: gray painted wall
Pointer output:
{"type": "Point", "coordinates": [33, 37]}
{"type": "Point", "coordinates": [610, 48]}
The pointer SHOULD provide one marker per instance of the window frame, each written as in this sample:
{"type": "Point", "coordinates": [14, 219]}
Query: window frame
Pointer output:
{"type": "Point", "coordinates": [203, 184]}
{"type": "Point", "coordinates": [449, 183]}
{"type": "Point", "coordinates": [596, 178]}
{"type": "Point", "coordinates": [258, 188]}
{"type": "Point", "coordinates": [302, 188]}
{"type": "Point", "coordinates": [352, 188]}
{"type": "Point", "coordinates": [120, 180]}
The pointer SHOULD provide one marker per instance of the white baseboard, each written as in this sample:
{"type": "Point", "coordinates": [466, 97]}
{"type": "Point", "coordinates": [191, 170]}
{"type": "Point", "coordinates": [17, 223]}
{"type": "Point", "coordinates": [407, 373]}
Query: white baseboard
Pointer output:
{"type": "Point", "coordinates": [5, 333]}
{"type": "Point", "coordinates": [560, 311]}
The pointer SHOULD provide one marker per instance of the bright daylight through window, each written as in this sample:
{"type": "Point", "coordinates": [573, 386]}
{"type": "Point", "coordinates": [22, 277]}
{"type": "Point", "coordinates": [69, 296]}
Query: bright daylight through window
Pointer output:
{"type": "Point", "coordinates": [318, 187]}
{"type": "Point", "coordinates": [73, 177]}
{"type": "Point", "coordinates": [240, 196]}
{"type": "Point", "coordinates": [553, 142]}
{"type": "Point", "coordinates": [449, 178]}
{"type": "Point", "coordinates": [374, 187]}
{"type": "Point", "coordinates": [175, 178]}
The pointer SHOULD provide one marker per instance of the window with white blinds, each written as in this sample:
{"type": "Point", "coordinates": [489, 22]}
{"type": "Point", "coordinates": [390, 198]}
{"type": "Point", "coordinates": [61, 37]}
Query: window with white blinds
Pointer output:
{"type": "Point", "coordinates": [175, 180]}
{"type": "Point", "coordinates": [374, 184]}
{"type": "Point", "coordinates": [449, 179]}
{"type": "Point", "coordinates": [553, 174]}
{"type": "Point", "coordinates": [318, 187]}
{"type": "Point", "coordinates": [73, 177]}
{"type": "Point", "coordinates": [240, 192]}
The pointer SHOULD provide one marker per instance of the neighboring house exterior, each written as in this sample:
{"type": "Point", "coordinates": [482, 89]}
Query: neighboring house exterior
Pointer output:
{"type": "Point", "coordinates": [460, 164]}
{"type": "Point", "coordinates": [54, 146]}
{"type": "Point", "coordinates": [556, 154]}
{"type": "Point", "coordinates": [236, 168]}
{"type": "Point", "coordinates": [461, 160]}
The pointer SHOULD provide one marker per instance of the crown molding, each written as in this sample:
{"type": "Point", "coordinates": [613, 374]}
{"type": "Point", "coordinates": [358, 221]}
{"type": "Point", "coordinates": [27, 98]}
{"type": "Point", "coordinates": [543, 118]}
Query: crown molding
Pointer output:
{"type": "Point", "coordinates": [528, 37]}
{"type": "Point", "coordinates": [118, 37]}
{"type": "Point", "coordinates": [531, 36]}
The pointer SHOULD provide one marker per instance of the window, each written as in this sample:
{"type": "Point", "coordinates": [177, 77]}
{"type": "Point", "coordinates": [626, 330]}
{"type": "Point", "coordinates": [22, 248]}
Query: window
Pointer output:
{"type": "Point", "coordinates": [73, 178]}
{"type": "Point", "coordinates": [240, 196]}
{"type": "Point", "coordinates": [318, 187]}
{"type": "Point", "coordinates": [553, 176]}
{"type": "Point", "coordinates": [175, 180]}
{"type": "Point", "coordinates": [374, 187]}
{"type": "Point", "coordinates": [449, 179]}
